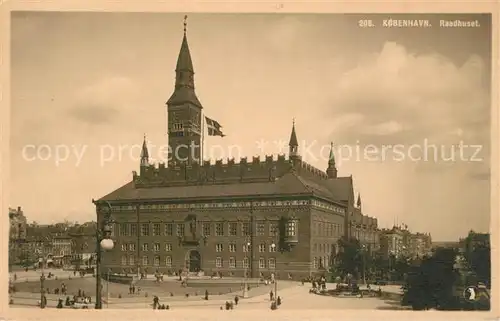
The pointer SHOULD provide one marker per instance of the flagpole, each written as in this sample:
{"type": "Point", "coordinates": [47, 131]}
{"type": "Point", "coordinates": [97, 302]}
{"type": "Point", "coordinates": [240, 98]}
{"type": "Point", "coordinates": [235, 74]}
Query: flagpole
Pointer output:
{"type": "Point", "coordinates": [202, 147]}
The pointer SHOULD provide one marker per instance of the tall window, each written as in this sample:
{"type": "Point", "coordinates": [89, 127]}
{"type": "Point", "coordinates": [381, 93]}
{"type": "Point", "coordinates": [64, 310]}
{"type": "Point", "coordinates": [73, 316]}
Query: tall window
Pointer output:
{"type": "Point", "coordinates": [145, 229]}
{"type": "Point", "coordinates": [245, 228]}
{"type": "Point", "coordinates": [232, 247]}
{"type": "Point", "coordinates": [233, 228]}
{"type": "Point", "coordinates": [169, 229]}
{"type": "Point", "coordinates": [272, 248]}
{"type": "Point", "coordinates": [168, 261]}
{"type": "Point", "coordinates": [124, 229]}
{"type": "Point", "coordinates": [232, 262]}
{"type": "Point", "coordinates": [156, 229]}
{"type": "Point", "coordinates": [246, 263]}
{"type": "Point", "coordinates": [315, 263]}
{"type": "Point", "coordinates": [156, 261]}
{"type": "Point", "coordinates": [218, 262]}
{"type": "Point", "coordinates": [206, 229]}
{"type": "Point", "coordinates": [246, 247]}
{"type": "Point", "coordinates": [180, 229]}
{"type": "Point", "coordinates": [156, 247]}
{"type": "Point", "coordinates": [262, 263]}
{"type": "Point", "coordinates": [124, 247]}
{"type": "Point", "coordinates": [133, 229]}
{"type": "Point", "coordinates": [262, 247]}
{"type": "Point", "coordinates": [168, 247]}
{"type": "Point", "coordinates": [272, 263]}
{"type": "Point", "coordinates": [219, 229]}
{"type": "Point", "coordinates": [145, 260]}
{"type": "Point", "coordinates": [273, 228]}
{"type": "Point", "coordinates": [124, 260]}
{"type": "Point", "coordinates": [261, 228]}
{"type": "Point", "coordinates": [145, 247]}
{"type": "Point", "coordinates": [219, 248]}
{"type": "Point", "coordinates": [291, 228]}
{"type": "Point", "coordinates": [131, 260]}
{"type": "Point", "coordinates": [131, 247]}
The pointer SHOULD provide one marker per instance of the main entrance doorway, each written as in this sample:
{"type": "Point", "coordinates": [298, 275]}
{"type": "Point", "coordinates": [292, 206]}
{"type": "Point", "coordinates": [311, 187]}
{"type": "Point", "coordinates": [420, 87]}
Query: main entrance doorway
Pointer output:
{"type": "Point", "coordinates": [194, 261]}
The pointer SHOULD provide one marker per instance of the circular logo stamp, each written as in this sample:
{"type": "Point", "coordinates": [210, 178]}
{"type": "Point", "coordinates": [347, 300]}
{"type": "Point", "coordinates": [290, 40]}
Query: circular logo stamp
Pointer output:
{"type": "Point", "coordinates": [471, 293]}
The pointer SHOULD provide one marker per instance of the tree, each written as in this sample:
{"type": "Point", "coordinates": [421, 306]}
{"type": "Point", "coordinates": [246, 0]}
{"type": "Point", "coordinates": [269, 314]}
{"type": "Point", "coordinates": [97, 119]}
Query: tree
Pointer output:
{"type": "Point", "coordinates": [477, 253]}
{"type": "Point", "coordinates": [349, 259]}
{"type": "Point", "coordinates": [432, 283]}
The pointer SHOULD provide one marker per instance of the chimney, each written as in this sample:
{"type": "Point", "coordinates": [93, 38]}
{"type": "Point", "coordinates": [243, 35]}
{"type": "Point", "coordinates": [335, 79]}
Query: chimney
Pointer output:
{"type": "Point", "coordinates": [19, 208]}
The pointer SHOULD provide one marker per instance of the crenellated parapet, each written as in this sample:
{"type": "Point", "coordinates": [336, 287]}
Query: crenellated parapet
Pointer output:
{"type": "Point", "coordinates": [222, 171]}
{"type": "Point", "coordinates": [218, 171]}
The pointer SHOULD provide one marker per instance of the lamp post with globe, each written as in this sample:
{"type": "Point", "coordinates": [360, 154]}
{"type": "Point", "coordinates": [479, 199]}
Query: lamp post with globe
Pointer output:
{"type": "Point", "coordinates": [273, 246]}
{"type": "Point", "coordinates": [245, 283]}
{"type": "Point", "coordinates": [104, 242]}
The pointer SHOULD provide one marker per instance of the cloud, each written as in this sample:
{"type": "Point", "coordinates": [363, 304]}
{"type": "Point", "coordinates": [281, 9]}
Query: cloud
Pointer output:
{"type": "Point", "coordinates": [405, 97]}
{"type": "Point", "coordinates": [104, 100]}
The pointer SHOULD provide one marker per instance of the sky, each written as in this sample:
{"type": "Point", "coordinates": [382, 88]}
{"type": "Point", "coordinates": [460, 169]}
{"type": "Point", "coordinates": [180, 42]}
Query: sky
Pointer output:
{"type": "Point", "coordinates": [88, 86]}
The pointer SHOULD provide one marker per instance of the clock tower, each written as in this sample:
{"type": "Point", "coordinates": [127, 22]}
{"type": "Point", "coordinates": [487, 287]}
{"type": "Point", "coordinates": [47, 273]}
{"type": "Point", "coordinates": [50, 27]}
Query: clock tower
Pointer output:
{"type": "Point", "coordinates": [184, 112]}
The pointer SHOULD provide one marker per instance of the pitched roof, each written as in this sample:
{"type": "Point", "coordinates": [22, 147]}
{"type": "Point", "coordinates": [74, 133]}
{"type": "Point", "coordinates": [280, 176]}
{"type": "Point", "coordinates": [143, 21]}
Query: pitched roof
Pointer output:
{"type": "Point", "coordinates": [184, 95]}
{"type": "Point", "coordinates": [289, 184]}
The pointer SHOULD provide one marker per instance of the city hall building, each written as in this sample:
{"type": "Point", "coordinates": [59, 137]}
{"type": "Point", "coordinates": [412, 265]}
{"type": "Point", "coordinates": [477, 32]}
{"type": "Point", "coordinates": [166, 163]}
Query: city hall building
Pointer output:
{"type": "Point", "coordinates": [234, 217]}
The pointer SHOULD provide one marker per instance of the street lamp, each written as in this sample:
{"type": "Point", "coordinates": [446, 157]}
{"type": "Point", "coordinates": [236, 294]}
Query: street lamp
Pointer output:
{"type": "Point", "coordinates": [273, 246]}
{"type": "Point", "coordinates": [245, 284]}
{"type": "Point", "coordinates": [104, 242]}
{"type": "Point", "coordinates": [42, 280]}
{"type": "Point", "coordinates": [363, 253]}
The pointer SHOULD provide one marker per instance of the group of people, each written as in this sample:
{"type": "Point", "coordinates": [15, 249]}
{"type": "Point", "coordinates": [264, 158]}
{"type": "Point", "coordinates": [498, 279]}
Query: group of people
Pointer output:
{"type": "Point", "coordinates": [133, 290]}
{"type": "Point", "coordinates": [158, 306]}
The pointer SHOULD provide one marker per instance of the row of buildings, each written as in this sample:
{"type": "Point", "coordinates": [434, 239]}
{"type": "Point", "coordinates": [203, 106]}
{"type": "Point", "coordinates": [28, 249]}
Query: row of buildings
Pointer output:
{"type": "Point", "coordinates": [62, 244]}
{"type": "Point", "coordinates": [250, 217]}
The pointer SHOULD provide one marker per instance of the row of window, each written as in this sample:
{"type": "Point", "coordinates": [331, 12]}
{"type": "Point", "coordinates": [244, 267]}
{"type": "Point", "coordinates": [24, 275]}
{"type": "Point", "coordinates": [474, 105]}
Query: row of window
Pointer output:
{"type": "Point", "coordinates": [328, 229]}
{"type": "Point", "coordinates": [208, 229]}
{"type": "Point", "coordinates": [219, 262]}
{"type": "Point", "coordinates": [218, 247]}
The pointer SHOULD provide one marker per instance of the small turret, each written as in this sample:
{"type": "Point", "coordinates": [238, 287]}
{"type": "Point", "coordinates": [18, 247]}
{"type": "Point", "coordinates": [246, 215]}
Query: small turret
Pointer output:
{"type": "Point", "coordinates": [144, 156]}
{"type": "Point", "coordinates": [331, 171]}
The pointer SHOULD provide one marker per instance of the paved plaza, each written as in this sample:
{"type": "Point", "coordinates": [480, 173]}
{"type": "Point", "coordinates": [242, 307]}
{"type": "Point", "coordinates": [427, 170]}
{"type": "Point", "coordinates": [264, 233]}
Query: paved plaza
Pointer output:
{"type": "Point", "coordinates": [294, 296]}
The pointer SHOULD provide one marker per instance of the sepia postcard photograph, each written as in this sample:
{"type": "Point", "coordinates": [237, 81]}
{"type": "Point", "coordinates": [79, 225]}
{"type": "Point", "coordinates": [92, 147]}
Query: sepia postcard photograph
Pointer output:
{"type": "Point", "coordinates": [274, 161]}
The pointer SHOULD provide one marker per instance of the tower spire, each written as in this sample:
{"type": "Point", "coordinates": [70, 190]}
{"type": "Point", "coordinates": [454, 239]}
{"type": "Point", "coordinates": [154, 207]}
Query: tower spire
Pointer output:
{"type": "Point", "coordinates": [185, 24]}
{"type": "Point", "coordinates": [358, 203]}
{"type": "Point", "coordinates": [144, 154]}
{"type": "Point", "coordinates": [293, 147]}
{"type": "Point", "coordinates": [331, 171]}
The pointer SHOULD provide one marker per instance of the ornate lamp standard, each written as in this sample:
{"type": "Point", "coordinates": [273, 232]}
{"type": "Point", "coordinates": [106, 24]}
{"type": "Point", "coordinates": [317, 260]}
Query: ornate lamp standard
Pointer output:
{"type": "Point", "coordinates": [273, 246]}
{"type": "Point", "coordinates": [42, 281]}
{"type": "Point", "coordinates": [245, 283]}
{"type": "Point", "coordinates": [363, 253]}
{"type": "Point", "coordinates": [104, 242]}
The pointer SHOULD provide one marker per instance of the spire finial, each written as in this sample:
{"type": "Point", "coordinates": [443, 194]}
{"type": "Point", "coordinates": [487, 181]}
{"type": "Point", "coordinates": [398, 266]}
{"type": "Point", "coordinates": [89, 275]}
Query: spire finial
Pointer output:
{"type": "Point", "coordinates": [293, 121]}
{"type": "Point", "coordinates": [144, 136]}
{"type": "Point", "coordinates": [185, 24]}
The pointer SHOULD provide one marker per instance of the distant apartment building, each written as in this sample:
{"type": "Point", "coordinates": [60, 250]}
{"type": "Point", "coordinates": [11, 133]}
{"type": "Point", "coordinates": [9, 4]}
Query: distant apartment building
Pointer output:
{"type": "Point", "coordinates": [419, 245]}
{"type": "Point", "coordinates": [17, 220]}
{"type": "Point", "coordinates": [61, 249]}
{"type": "Point", "coordinates": [17, 235]}
{"type": "Point", "coordinates": [392, 242]}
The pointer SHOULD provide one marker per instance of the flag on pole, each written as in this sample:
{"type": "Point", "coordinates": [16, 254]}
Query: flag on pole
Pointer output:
{"type": "Point", "coordinates": [213, 127]}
